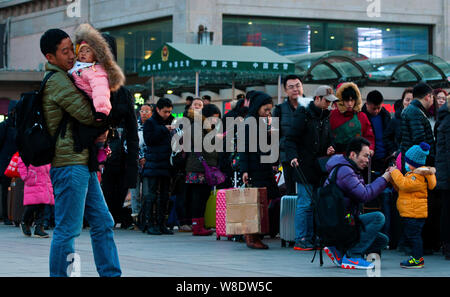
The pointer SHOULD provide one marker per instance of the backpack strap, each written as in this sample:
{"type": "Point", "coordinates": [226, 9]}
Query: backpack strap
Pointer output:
{"type": "Point", "coordinates": [63, 123]}
{"type": "Point", "coordinates": [44, 81]}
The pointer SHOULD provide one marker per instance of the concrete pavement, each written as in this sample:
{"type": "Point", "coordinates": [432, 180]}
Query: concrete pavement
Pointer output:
{"type": "Point", "coordinates": [183, 255]}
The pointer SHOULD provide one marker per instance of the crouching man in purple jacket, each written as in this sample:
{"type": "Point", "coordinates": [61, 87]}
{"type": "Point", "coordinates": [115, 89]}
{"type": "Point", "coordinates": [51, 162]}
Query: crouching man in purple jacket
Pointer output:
{"type": "Point", "coordinates": [356, 192]}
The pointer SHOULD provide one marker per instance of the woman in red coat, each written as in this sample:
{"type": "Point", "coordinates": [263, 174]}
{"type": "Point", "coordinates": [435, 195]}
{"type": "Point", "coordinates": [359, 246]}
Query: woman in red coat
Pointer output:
{"type": "Point", "coordinates": [347, 121]}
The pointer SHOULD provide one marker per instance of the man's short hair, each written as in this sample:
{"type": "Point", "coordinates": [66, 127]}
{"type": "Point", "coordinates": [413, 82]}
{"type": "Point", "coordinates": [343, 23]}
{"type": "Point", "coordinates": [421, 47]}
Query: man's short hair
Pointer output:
{"type": "Point", "coordinates": [164, 102]}
{"type": "Point", "coordinates": [356, 145]}
{"type": "Point", "coordinates": [189, 98]}
{"type": "Point", "coordinates": [421, 90]}
{"type": "Point", "coordinates": [206, 97]}
{"type": "Point", "coordinates": [375, 97]}
{"type": "Point", "coordinates": [289, 77]}
{"type": "Point", "coordinates": [51, 39]}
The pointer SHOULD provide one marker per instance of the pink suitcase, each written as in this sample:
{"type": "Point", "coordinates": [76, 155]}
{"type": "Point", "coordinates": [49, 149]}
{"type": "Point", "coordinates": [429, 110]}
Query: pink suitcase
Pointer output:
{"type": "Point", "coordinates": [221, 214]}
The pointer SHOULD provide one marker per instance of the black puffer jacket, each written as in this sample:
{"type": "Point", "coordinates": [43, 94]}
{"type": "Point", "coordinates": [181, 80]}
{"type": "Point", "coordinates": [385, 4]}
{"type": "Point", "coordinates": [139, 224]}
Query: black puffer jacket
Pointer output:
{"type": "Point", "coordinates": [443, 148]}
{"type": "Point", "coordinates": [393, 134]}
{"type": "Point", "coordinates": [123, 115]}
{"type": "Point", "coordinates": [250, 162]}
{"type": "Point", "coordinates": [309, 140]}
{"type": "Point", "coordinates": [285, 112]}
{"type": "Point", "coordinates": [416, 128]}
{"type": "Point", "coordinates": [157, 138]}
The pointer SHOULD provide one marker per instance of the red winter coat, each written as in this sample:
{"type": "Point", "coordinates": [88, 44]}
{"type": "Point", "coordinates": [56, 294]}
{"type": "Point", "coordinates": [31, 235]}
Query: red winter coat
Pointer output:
{"type": "Point", "coordinates": [38, 186]}
{"type": "Point", "coordinates": [340, 115]}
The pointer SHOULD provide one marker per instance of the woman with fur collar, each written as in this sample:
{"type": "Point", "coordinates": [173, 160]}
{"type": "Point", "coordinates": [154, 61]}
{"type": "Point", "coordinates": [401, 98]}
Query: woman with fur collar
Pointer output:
{"type": "Point", "coordinates": [347, 121]}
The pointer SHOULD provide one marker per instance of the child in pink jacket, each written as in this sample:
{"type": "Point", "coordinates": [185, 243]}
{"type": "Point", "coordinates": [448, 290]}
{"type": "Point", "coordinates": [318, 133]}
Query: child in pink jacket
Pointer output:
{"type": "Point", "coordinates": [96, 73]}
{"type": "Point", "coordinates": [38, 192]}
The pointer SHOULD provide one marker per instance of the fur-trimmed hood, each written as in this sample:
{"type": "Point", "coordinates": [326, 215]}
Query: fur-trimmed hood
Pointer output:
{"type": "Point", "coordinates": [358, 100]}
{"type": "Point", "coordinates": [103, 54]}
{"type": "Point", "coordinates": [425, 170]}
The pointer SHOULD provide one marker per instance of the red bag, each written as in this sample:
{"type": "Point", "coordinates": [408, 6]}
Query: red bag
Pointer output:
{"type": "Point", "coordinates": [12, 170]}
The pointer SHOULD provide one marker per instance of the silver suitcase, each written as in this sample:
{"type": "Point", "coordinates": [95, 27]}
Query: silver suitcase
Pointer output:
{"type": "Point", "coordinates": [287, 215]}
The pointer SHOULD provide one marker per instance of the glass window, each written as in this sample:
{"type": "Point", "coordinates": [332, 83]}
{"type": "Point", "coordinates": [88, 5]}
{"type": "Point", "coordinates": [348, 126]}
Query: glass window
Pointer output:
{"type": "Point", "coordinates": [290, 37]}
{"type": "Point", "coordinates": [137, 42]}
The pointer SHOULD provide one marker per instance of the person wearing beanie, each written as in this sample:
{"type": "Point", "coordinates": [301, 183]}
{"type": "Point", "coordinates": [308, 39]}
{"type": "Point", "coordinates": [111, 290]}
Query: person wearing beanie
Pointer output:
{"type": "Point", "coordinates": [412, 203]}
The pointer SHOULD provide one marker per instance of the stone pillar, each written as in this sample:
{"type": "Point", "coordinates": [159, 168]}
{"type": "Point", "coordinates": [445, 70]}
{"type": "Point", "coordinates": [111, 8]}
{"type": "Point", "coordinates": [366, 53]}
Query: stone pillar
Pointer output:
{"type": "Point", "coordinates": [189, 14]}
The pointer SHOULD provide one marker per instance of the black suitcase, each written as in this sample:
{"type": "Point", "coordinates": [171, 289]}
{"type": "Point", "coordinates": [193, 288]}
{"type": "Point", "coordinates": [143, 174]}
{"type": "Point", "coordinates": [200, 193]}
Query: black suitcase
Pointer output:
{"type": "Point", "coordinates": [15, 201]}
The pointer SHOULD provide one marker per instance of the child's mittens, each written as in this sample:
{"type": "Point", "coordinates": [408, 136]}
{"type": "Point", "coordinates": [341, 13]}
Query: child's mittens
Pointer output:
{"type": "Point", "coordinates": [99, 116]}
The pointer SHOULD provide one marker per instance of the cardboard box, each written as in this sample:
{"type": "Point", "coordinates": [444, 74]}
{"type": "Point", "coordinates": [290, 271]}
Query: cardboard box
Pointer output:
{"type": "Point", "coordinates": [247, 211]}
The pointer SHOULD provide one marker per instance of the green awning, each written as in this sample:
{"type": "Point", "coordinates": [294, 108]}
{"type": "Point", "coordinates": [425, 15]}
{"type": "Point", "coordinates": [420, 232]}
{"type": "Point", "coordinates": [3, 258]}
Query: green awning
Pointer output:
{"type": "Point", "coordinates": [177, 58]}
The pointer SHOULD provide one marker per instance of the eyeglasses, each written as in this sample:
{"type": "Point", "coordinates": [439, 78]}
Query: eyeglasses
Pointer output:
{"type": "Point", "coordinates": [291, 87]}
{"type": "Point", "coordinates": [145, 111]}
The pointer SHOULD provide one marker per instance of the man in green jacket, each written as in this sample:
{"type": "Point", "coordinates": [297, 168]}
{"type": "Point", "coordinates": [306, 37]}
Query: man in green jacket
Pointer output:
{"type": "Point", "coordinates": [77, 190]}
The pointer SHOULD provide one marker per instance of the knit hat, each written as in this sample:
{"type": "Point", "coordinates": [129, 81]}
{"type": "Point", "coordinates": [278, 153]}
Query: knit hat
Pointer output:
{"type": "Point", "coordinates": [417, 154]}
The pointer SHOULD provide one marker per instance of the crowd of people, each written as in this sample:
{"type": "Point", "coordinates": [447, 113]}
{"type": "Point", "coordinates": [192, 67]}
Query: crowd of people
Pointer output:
{"type": "Point", "coordinates": [393, 170]}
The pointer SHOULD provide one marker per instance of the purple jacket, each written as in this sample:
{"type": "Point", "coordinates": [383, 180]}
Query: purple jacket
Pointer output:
{"type": "Point", "coordinates": [350, 181]}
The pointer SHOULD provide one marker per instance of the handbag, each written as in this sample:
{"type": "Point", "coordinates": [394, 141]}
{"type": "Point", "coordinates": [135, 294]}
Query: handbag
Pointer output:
{"type": "Point", "coordinates": [213, 175]}
{"type": "Point", "coordinates": [12, 170]}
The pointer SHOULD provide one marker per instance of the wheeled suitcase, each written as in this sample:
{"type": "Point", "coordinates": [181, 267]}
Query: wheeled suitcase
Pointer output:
{"type": "Point", "coordinates": [15, 201]}
{"type": "Point", "coordinates": [221, 215]}
{"type": "Point", "coordinates": [210, 211]}
{"type": "Point", "coordinates": [287, 215]}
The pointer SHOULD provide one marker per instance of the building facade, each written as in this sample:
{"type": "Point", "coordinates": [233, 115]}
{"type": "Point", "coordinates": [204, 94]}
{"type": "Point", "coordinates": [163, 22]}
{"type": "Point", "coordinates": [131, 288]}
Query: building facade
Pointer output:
{"type": "Point", "coordinates": [374, 28]}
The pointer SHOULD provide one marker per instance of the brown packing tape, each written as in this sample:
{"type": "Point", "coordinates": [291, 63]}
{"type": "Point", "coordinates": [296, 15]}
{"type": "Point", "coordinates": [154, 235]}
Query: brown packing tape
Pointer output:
{"type": "Point", "coordinates": [239, 196]}
{"type": "Point", "coordinates": [242, 213]}
{"type": "Point", "coordinates": [243, 228]}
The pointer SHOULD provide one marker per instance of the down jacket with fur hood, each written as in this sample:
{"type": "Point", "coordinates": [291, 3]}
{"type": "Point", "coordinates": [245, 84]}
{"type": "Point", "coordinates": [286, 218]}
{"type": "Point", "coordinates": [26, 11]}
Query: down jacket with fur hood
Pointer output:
{"type": "Point", "coordinates": [413, 191]}
{"type": "Point", "coordinates": [344, 124]}
{"type": "Point", "coordinates": [38, 186]}
{"type": "Point", "coordinates": [100, 78]}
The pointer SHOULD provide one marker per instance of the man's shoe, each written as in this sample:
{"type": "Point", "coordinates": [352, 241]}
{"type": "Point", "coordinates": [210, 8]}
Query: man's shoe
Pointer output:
{"type": "Point", "coordinates": [356, 263]}
{"type": "Point", "coordinates": [165, 230]}
{"type": "Point", "coordinates": [412, 263]}
{"type": "Point", "coordinates": [303, 245]}
{"type": "Point", "coordinates": [25, 229]}
{"type": "Point", "coordinates": [334, 255]}
{"type": "Point", "coordinates": [40, 233]}
{"type": "Point", "coordinates": [154, 230]}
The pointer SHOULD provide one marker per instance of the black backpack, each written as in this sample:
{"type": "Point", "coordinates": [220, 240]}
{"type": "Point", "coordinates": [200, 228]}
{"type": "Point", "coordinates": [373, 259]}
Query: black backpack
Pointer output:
{"type": "Point", "coordinates": [35, 144]}
{"type": "Point", "coordinates": [334, 226]}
